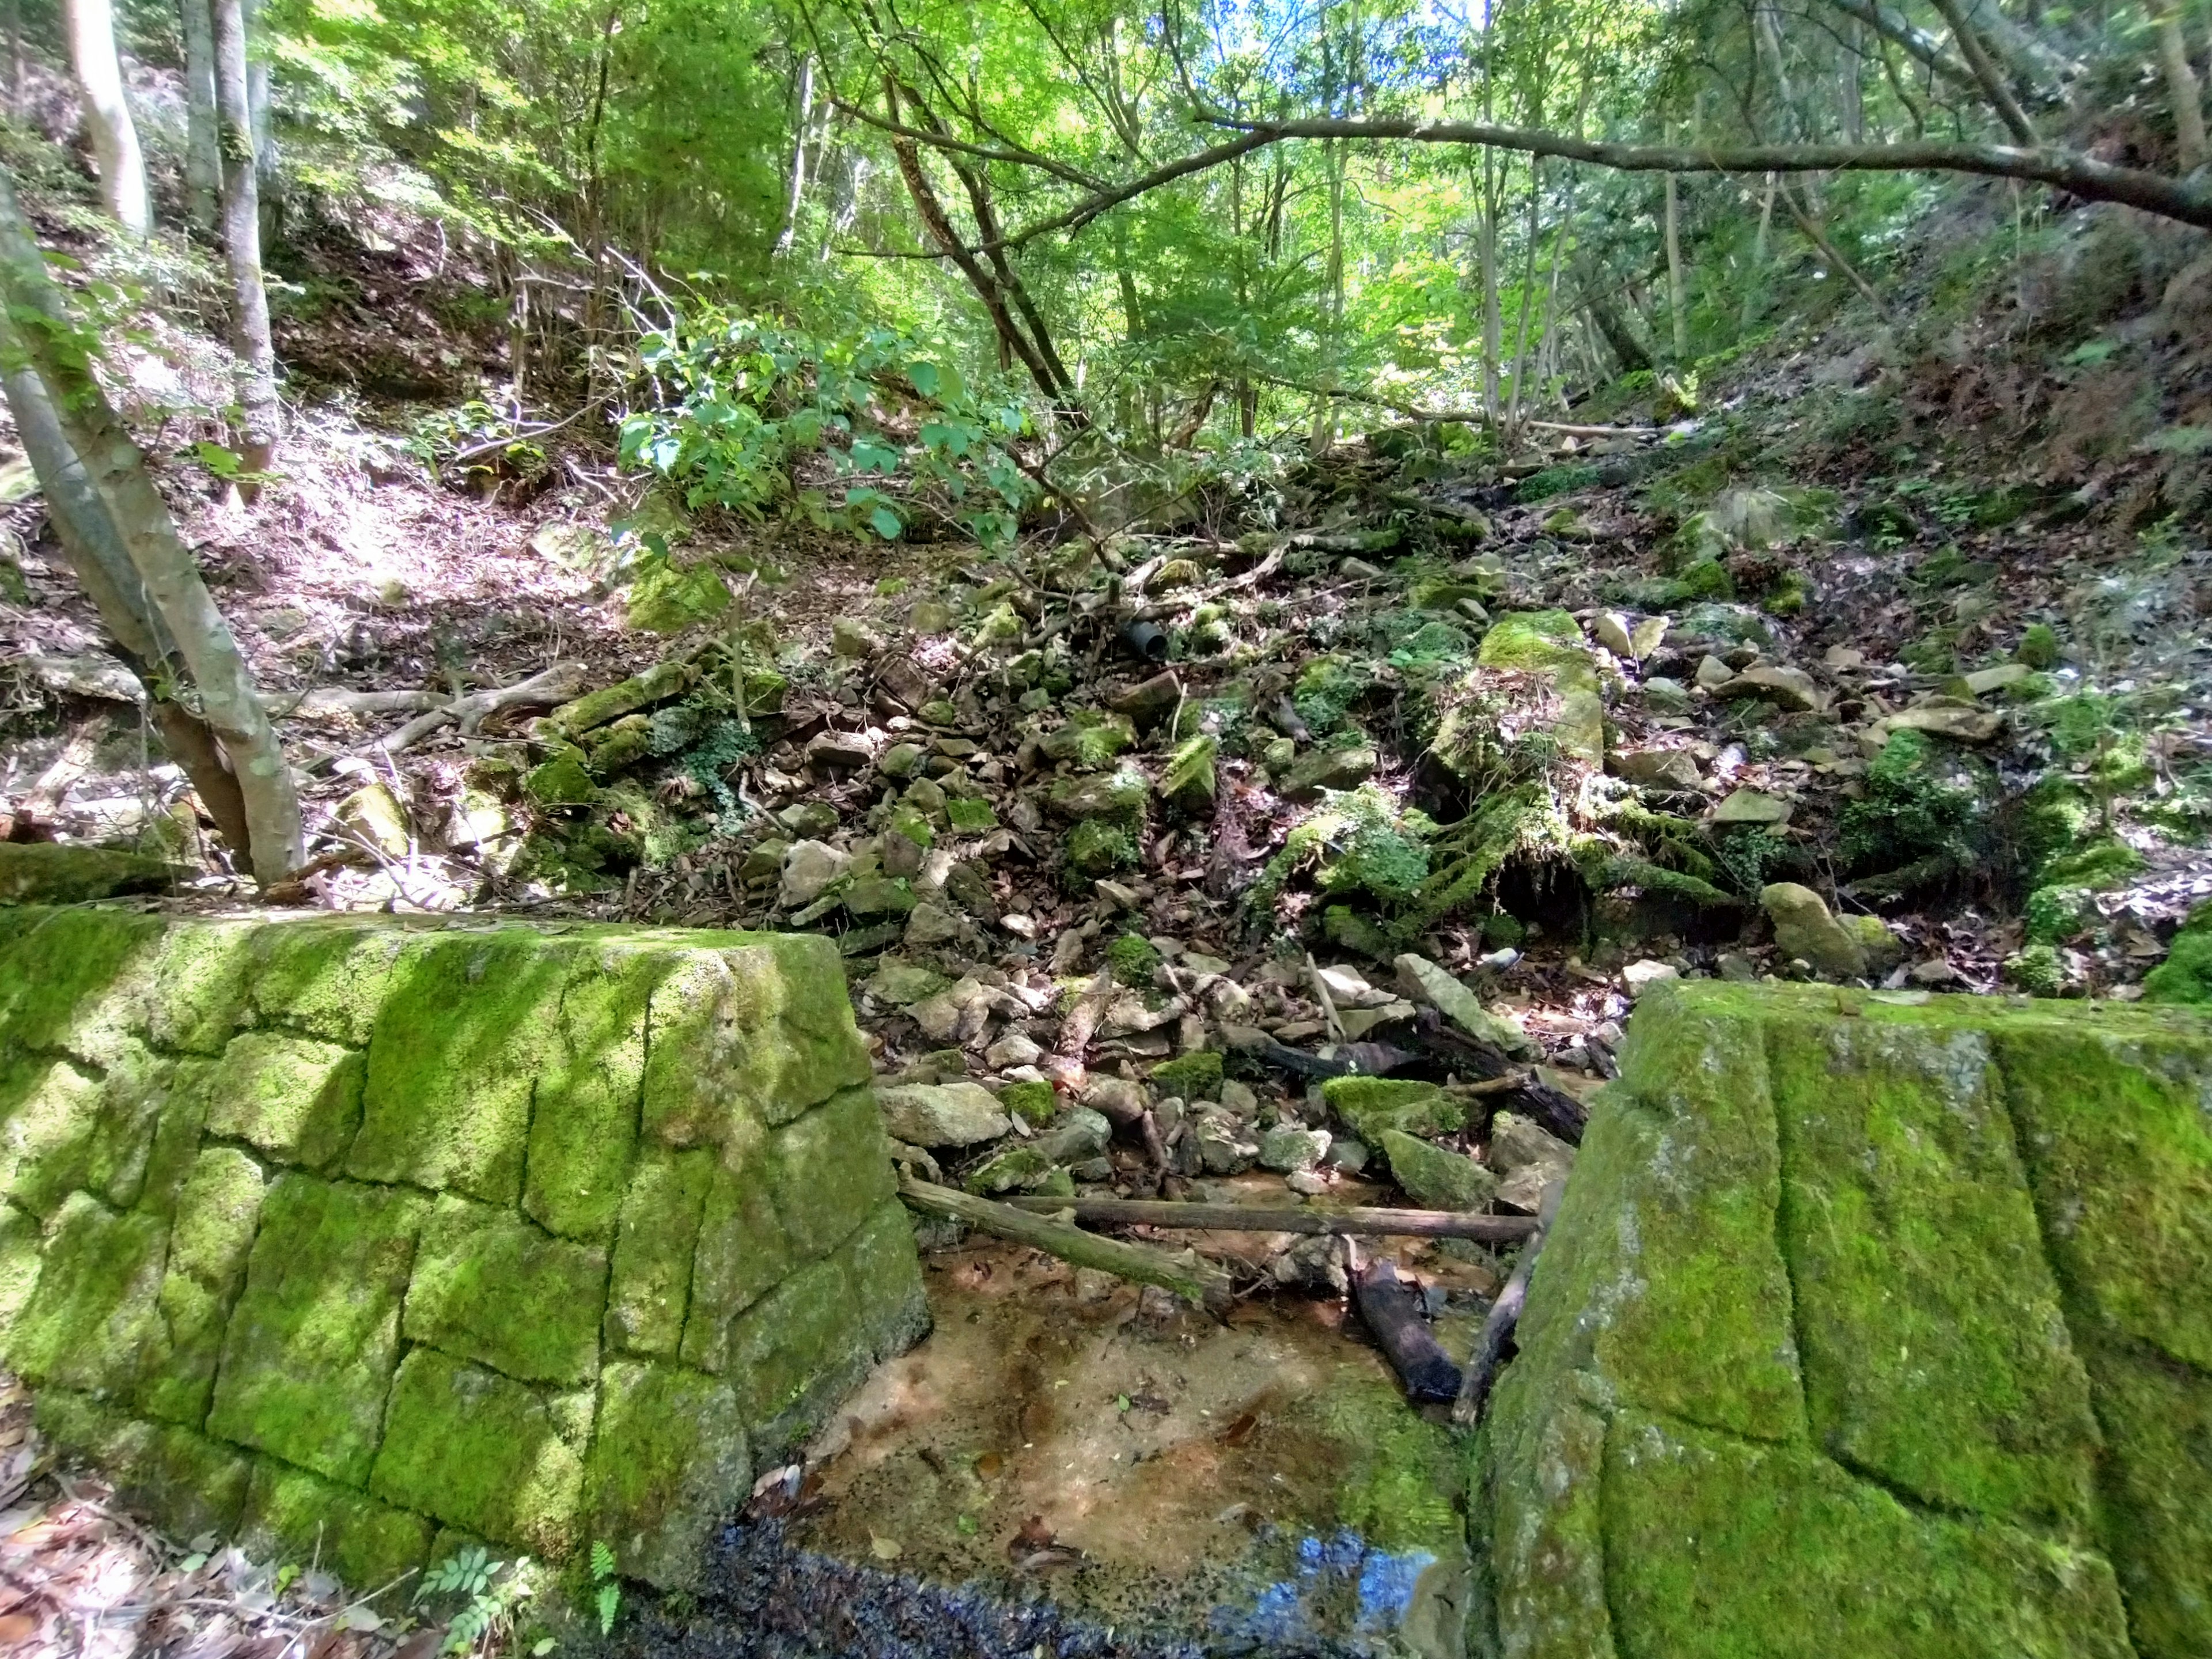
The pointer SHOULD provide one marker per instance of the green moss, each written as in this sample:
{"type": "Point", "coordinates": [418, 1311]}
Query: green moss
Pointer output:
{"type": "Point", "coordinates": [295, 1099]}
{"type": "Point", "coordinates": [1033, 1103]}
{"type": "Point", "coordinates": [2185, 976]}
{"type": "Point", "coordinates": [565, 780]}
{"type": "Point", "coordinates": [584, 1119]}
{"type": "Point", "coordinates": [1133, 959]}
{"type": "Point", "coordinates": [1368, 1105]}
{"type": "Point", "coordinates": [1119, 797]}
{"type": "Point", "coordinates": [310, 1350]}
{"type": "Point", "coordinates": [19, 1265]}
{"type": "Point", "coordinates": [186, 1483]}
{"type": "Point", "coordinates": [1926, 808]}
{"type": "Point", "coordinates": [799, 1334]}
{"type": "Point", "coordinates": [451, 1063]}
{"type": "Point", "coordinates": [325, 979]}
{"type": "Point", "coordinates": [489, 1286]}
{"type": "Point", "coordinates": [669, 1463]}
{"type": "Point", "coordinates": [1194, 1076]}
{"type": "Point", "coordinates": [668, 598]}
{"type": "Point", "coordinates": [1732, 1551]}
{"type": "Point", "coordinates": [477, 1451]}
{"type": "Point", "coordinates": [1097, 848]}
{"type": "Point", "coordinates": [2054, 915]}
{"type": "Point", "coordinates": [1550, 643]}
{"type": "Point", "coordinates": [291, 1515]}
{"type": "Point", "coordinates": [829, 1171]}
{"type": "Point", "coordinates": [659, 1235]}
{"type": "Point", "coordinates": [195, 982]}
{"type": "Point", "coordinates": [881, 1265]}
{"type": "Point", "coordinates": [1404, 1485]}
{"type": "Point", "coordinates": [2038, 969]}
{"type": "Point", "coordinates": [970, 817]}
{"type": "Point", "coordinates": [2098, 865]}
{"type": "Point", "coordinates": [1191, 780]}
{"type": "Point", "coordinates": [1552, 481]}
{"type": "Point", "coordinates": [1934, 1348]}
{"type": "Point", "coordinates": [1090, 740]}
{"type": "Point", "coordinates": [56, 966]}
{"type": "Point", "coordinates": [2039, 647]}
{"type": "Point", "coordinates": [217, 1213]}
{"type": "Point", "coordinates": [658, 683]}
{"type": "Point", "coordinates": [92, 1313]}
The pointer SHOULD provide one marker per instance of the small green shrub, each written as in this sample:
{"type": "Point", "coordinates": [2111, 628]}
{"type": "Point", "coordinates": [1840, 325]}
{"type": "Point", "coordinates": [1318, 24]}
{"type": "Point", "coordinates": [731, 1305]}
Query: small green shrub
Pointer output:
{"type": "Point", "coordinates": [1133, 958]}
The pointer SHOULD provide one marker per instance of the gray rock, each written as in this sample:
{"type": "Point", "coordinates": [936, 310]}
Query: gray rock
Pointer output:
{"type": "Point", "coordinates": [1151, 702]}
{"type": "Point", "coordinates": [1516, 1144]}
{"type": "Point", "coordinates": [849, 638]}
{"type": "Point", "coordinates": [1641, 976]}
{"type": "Point", "coordinates": [1613, 632]}
{"type": "Point", "coordinates": [1666, 697]}
{"type": "Point", "coordinates": [932, 924]}
{"type": "Point", "coordinates": [1792, 688]}
{"type": "Point", "coordinates": [1752, 806]}
{"type": "Point", "coordinates": [1713, 673]}
{"type": "Point", "coordinates": [900, 760]}
{"type": "Point", "coordinates": [1657, 769]}
{"type": "Point", "coordinates": [942, 1115]}
{"type": "Point", "coordinates": [1289, 1148]}
{"type": "Point", "coordinates": [1076, 1135]}
{"type": "Point", "coordinates": [1734, 966]}
{"type": "Point", "coordinates": [1219, 1142]}
{"type": "Point", "coordinates": [1425, 981]}
{"type": "Point", "coordinates": [809, 868]}
{"type": "Point", "coordinates": [1328, 769]}
{"type": "Point", "coordinates": [1806, 931]}
{"type": "Point", "coordinates": [899, 984]}
{"type": "Point", "coordinates": [1015, 1048]}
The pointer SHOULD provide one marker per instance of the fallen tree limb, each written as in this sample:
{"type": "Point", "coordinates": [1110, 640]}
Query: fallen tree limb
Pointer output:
{"type": "Point", "coordinates": [1287, 1219]}
{"type": "Point", "coordinates": [563, 680]}
{"type": "Point", "coordinates": [1198, 1281]}
{"type": "Point", "coordinates": [1489, 1356]}
{"type": "Point", "coordinates": [328, 702]}
{"type": "Point", "coordinates": [1390, 1309]}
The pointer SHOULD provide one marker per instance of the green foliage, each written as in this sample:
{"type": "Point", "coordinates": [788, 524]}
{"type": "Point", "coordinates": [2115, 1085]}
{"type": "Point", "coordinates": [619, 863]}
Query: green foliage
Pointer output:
{"type": "Point", "coordinates": [883, 431]}
{"type": "Point", "coordinates": [1555, 481]}
{"type": "Point", "coordinates": [1923, 805]}
{"type": "Point", "coordinates": [491, 1591]}
{"type": "Point", "coordinates": [606, 1595]}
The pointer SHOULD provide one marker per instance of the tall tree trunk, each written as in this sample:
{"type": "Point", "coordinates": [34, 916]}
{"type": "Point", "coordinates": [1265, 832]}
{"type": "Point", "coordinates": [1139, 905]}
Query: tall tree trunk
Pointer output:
{"type": "Point", "coordinates": [258, 88]}
{"type": "Point", "coordinates": [260, 415]}
{"type": "Point", "coordinates": [96, 553]}
{"type": "Point", "coordinates": [796, 192]}
{"type": "Point", "coordinates": [2181, 88]}
{"type": "Point", "coordinates": [1486, 249]}
{"type": "Point", "coordinates": [1528, 300]}
{"type": "Point", "coordinates": [203, 148]}
{"type": "Point", "coordinates": [108, 113]}
{"type": "Point", "coordinates": [1678, 302]}
{"type": "Point", "coordinates": [1757, 278]}
{"type": "Point", "coordinates": [116, 471]}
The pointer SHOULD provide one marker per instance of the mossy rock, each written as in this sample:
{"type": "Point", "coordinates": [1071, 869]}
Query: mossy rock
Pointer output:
{"type": "Point", "coordinates": [670, 1462]}
{"type": "Point", "coordinates": [1099, 847]}
{"type": "Point", "coordinates": [1368, 1105]}
{"type": "Point", "coordinates": [1194, 1076]}
{"type": "Point", "coordinates": [669, 598]}
{"type": "Point", "coordinates": [56, 873]}
{"type": "Point", "coordinates": [563, 780]}
{"type": "Point", "coordinates": [1870, 1322]}
{"type": "Point", "coordinates": [2185, 976]}
{"type": "Point", "coordinates": [1549, 642]}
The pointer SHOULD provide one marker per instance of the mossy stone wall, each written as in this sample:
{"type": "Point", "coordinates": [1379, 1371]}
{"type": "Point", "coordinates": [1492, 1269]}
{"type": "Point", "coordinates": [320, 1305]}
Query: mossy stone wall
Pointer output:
{"type": "Point", "coordinates": [1871, 1324]}
{"type": "Point", "coordinates": [352, 1237]}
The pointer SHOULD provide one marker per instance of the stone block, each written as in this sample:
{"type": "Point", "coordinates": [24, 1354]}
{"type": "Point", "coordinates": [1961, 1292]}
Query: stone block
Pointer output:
{"type": "Point", "coordinates": [92, 1313]}
{"type": "Point", "coordinates": [291, 1515]}
{"type": "Point", "coordinates": [827, 1171]}
{"type": "Point", "coordinates": [804, 1330]}
{"type": "Point", "coordinates": [309, 1352]}
{"type": "Point", "coordinates": [451, 1063]}
{"type": "Point", "coordinates": [583, 1126]}
{"type": "Point", "coordinates": [479, 1451]}
{"type": "Point", "coordinates": [297, 1099]}
{"type": "Point", "coordinates": [742, 1254]}
{"type": "Point", "coordinates": [187, 1483]}
{"type": "Point", "coordinates": [658, 1236]}
{"type": "Point", "coordinates": [669, 1462]}
{"type": "Point", "coordinates": [325, 977]}
{"type": "Point", "coordinates": [209, 1244]}
{"type": "Point", "coordinates": [489, 1286]}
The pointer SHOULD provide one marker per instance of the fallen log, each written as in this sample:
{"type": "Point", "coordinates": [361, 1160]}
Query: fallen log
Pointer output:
{"type": "Point", "coordinates": [1196, 1281]}
{"type": "Point", "coordinates": [1489, 1356]}
{"type": "Point", "coordinates": [1390, 1309]}
{"type": "Point", "coordinates": [328, 702]}
{"type": "Point", "coordinates": [548, 685]}
{"type": "Point", "coordinates": [1287, 1219]}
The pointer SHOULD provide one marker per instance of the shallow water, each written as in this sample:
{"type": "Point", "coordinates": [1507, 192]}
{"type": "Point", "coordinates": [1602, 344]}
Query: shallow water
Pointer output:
{"type": "Point", "coordinates": [1067, 1468]}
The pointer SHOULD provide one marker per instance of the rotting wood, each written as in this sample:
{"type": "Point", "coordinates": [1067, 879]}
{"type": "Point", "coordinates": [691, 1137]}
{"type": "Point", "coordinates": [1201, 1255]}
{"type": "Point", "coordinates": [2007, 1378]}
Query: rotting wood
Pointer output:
{"type": "Point", "coordinates": [1489, 1356]}
{"type": "Point", "coordinates": [1390, 1309]}
{"type": "Point", "coordinates": [1299, 1218]}
{"type": "Point", "coordinates": [561, 680]}
{"type": "Point", "coordinates": [1198, 1281]}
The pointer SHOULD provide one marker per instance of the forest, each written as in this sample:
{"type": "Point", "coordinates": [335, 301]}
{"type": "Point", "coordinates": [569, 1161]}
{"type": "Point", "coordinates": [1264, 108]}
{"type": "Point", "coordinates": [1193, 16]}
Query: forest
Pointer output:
{"type": "Point", "coordinates": [1261, 570]}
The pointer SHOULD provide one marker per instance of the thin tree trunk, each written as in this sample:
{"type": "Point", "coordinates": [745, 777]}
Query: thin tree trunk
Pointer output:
{"type": "Point", "coordinates": [2181, 89]}
{"type": "Point", "coordinates": [108, 113]}
{"type": "Point", "coordinates": [1493, 329]}
{"type": "Point", "coordinates": [1986, 74]}
{"type": "Point", "coordinates": [1677, 296]}
{"type": "Point", "coordinates": [1527, 302]}
{"type": "Point", "coordinates": [257, 104]}
{"type": "Point", "coordinates": [1833, 254]}
{"type": "Point", "coordinates": [116, 471]}
{"type": "Point", "coordinates": [241, 235]}
{"type": "Point", "coordinates": [1751, 293]}
{"type": "Point", "coordinates": [796, 192]}
{"type": "Point", "coordinates": [203, 148]}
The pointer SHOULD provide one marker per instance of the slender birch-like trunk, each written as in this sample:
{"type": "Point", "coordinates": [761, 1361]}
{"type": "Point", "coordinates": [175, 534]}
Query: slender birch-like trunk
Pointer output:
{"type": "Point", "coordinates": [108, 113]}
{"type": "Point", "coordinates": [260, 415]}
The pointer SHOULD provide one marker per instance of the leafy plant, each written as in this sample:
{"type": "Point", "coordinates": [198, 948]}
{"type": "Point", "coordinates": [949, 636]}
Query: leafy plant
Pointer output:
{"type": "Point", "coordinates": [491, 1592]}
{"type": "Point", "coordinates": [606, 1593]}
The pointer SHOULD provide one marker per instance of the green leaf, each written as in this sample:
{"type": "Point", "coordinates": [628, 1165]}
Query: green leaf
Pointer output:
{"type": "Point", "coordinates": [886, 523]}
{"type": "Point", "coordinates": [925, 378]}
{"type": "Point", "coordinates": [603, 1559]}
{"type": "Point", "coordinates": [609, 1603]}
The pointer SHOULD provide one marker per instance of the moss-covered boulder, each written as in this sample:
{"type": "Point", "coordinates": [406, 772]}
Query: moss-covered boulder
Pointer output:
{"type": "Point", "coordinates": [1550, 643]}
{"type": "Point", "coordinates": [2185, 976]}
{"type": "Point", "coordinates": [1871, 1322]}
{"type": "Point", "coordinates": [54, 872]}
{"type": "Point", "coordinates": [333, 1236]}
{"type": "Point", "coordinates": [669, 598]}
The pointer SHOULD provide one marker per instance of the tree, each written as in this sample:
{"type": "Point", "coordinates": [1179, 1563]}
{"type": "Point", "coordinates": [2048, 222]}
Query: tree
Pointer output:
{"type": "Point", "coordinates": [203, 146]}
{"type": "Point", "coordinates": [55, 349]}
{"type": "Point", "coordinates": [108, 113]}
{"type": "Point", "coordinates": [250, 341]}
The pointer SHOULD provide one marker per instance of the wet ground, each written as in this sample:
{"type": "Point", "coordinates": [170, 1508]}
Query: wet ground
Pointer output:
{"type": "Point", "coordinates": [1068, 1466]}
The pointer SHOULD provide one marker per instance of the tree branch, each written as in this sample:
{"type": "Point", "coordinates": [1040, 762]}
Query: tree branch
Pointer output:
{"type": "Point", "coordinates": [1986, 72]}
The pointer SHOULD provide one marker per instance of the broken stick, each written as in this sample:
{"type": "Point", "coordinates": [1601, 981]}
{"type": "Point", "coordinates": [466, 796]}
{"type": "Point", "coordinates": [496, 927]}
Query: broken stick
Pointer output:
{"type": "Point", "coordinates": [1390, 1309]}
{"type": "Point", "coordinates": [1489, 1356]}
{"type": "Point", "coordinates": [1197, 1281]}
{"type": "Point", "coordinates": [1301, 1219]}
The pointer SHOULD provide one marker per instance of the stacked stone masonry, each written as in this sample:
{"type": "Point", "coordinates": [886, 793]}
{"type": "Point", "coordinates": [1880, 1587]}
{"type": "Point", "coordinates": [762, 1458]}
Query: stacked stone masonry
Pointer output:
{"type": "Point", "coordinates": [1870, 1324]}
{"type": "Point", "coordinates": [364, 1238]}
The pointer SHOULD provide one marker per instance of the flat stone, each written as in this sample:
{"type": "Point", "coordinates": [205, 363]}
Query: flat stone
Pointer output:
{"type": "Point", "coordinates": [1961, 722]}
{"type": "Point", "coordinates": [1713, 673]}
{"type": "Point", "coordinates": [900, 760]}
{"type": "Point", "coordinates": [849, 638]}
{"type": "Point", "coordinates": [932, 924]}
{"type": "Point", "coordinates": [1427, 983]}
{"type": "Point", "coordinates": [1805, 931]}
{"type": "Point", "coordinates": [1328, 769]}
{"type": "Point", "coordinates": [838, 752]}
{"type": "Point", "coordinates": [1517, 1143]}
{"type": "Point", "coordinates": [1640, 977]}
{"type": "Point", "coordinates": [1666, 697]}
{"type": "Point", "coordinates": [942, 1115]}
{"type": "Point", "coordinates": [1434, 1178]}
{"type": "Point", "coordinates": [1015, 1048]}
{"type": "Point", "coordinates": [1151, 701]}
{"type": "Point", "coordinates": [1657, 769]}
{"type": "Point", "coordinates": [809, 868]}
{"type": "Point", "coordinates": [1752, 806]}
{"type": "Point", "coordinates": [1612, 630]}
